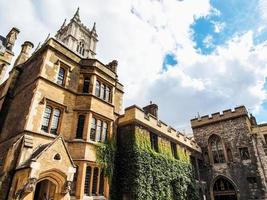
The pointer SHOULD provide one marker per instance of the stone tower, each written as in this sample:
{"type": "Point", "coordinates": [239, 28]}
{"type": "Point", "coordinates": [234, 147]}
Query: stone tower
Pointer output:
{"type": "Point", "coordinates": [6, 53]}
{"type": "Point", "coordinates": [77, 37]}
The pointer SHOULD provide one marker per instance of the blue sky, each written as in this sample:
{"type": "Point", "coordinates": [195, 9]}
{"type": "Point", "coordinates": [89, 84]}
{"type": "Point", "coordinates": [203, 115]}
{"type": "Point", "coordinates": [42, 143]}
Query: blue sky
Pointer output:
{"type": "Point", "coordinates": [189, 57]}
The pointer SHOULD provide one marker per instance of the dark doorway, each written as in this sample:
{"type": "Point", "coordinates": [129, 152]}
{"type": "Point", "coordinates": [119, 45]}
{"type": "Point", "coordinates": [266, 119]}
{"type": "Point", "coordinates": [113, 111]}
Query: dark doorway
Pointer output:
{"type": "Point", "coordinates": [44, 190]}
{"type": "Point", "coordinates": [224, 190]}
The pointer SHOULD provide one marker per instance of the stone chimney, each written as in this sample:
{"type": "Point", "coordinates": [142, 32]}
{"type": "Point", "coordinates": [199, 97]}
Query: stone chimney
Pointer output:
{"type": "Point", "coordinates": [151, 109]}
{"type": "Point", "coordinates": [113, 65]}
{"type": "Point", "coordinates": [26, 48]}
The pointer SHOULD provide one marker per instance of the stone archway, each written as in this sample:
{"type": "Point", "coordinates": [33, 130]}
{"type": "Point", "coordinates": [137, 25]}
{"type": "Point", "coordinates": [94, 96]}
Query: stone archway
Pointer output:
{"type": "Point", "coordinates": [223, 189]}
{"type": "Point", "coordinates": [45, 190]}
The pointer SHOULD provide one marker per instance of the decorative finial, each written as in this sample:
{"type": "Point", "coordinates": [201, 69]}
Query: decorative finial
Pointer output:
{"type": "Point", "coordinates": [47, 38]}
{"type": "Point", "coordinates": [77, 15]}
{"type": "Point", "coordinates": [64, 23]}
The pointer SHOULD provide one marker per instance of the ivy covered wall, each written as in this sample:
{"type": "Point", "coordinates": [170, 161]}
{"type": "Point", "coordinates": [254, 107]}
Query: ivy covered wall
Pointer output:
{"type": "Point", "coordinates": [143, 174]}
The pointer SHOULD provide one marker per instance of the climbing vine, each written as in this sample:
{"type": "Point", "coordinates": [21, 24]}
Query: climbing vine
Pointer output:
{"type": "Point", "coordinates": [142, 173]}
{"type": "Point", "coordinates": [105, 156]}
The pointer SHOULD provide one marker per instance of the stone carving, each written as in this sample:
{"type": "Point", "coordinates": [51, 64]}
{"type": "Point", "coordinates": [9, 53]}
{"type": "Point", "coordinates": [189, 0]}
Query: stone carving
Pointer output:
{"type": "Point", "coordinates": [27, 188]}
{"type": "Point", "coordinates": [67, 187]}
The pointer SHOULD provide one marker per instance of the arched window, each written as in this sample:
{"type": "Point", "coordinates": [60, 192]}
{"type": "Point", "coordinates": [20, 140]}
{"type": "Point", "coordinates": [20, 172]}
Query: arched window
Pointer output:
{"type": "Point", "coordinates": [80, 125]}
{"type": "Point", "coordinates": [104, 132]}
{"type": "Point", "coordinates": [86, 84]}
{"type": "Point", "coordinates": [97, 89]}
{"type": "Point", "coordinates": [216, 148]}
{"type": "Point", "coordinates": [61, 76]}
{"type": "Point", "coordinates": [46, 118]}
{"type": "Point", "coordinates": [80, 48]}
{"type": "Point", "coordinates": [102, 91]}
{"type": "Point", "coordinates": [224, 189]}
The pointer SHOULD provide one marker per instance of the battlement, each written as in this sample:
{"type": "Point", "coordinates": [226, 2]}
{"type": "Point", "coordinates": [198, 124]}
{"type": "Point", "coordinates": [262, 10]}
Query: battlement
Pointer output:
{"type": "Point", "coordinates": [135, 114]}
{"type": "Point", "coordinates": [216, 117]}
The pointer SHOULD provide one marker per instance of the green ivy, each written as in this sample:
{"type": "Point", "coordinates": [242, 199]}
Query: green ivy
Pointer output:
{"type": "Point", "coordinates": [143, 174]}
{"type": "Point", "coordinates": [105, 157]}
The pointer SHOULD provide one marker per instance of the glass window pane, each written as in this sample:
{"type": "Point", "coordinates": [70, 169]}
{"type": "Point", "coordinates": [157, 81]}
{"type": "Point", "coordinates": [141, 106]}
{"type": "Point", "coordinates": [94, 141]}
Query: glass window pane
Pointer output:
{"type": "Point", "coordinates": [95, 182]}
{"type": "Point", "coordinates": [86, 84]}
{"type": "Point", "coordinates": [107, 94]}
{"type": "Point", "coordinates": [46, 118]}
{"type": "Point", "coordinates": [97, 89]}
{"type": "Point", "coordinates": [101, 184]}
{"type": "Point", "coordinates": [80, 125]}
{"type": "Point", "coordinates": [93, 130]}
{"type": "Point", "coordinates": [55, 121]}
{"type": "Point", "coordinates": [102, 91]}
{"type": "Point", "coordinates": [98, 130]}
{"type": "Point", "coordinates": [61, 75]}
{"type": "Point", "coordinates": [104, 132]}
{"type": "Point", "coordinates": [87, 183]}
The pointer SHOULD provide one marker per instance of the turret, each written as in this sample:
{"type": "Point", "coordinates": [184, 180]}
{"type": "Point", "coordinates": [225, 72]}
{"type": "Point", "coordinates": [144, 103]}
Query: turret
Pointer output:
{"type": "Point", "coordinates": [77, 37]}
{"type": "Point", "coordinates": [151, 109]}
{"type": "Point", "coordinates": [26, 48]}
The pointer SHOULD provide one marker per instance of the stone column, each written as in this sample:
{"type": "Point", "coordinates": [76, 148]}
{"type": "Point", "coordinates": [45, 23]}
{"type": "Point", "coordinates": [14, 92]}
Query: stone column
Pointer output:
{"type": "Point", "coordinates": [80, 180]}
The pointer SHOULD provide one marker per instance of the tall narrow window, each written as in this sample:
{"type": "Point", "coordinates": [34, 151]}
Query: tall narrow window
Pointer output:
{"type": "Point", "coordinates": [61, 76]}
{"type": "Point", "coordinates": [107, 94]}
{"type": "Point", "coordinates": [93, 130]}
{"type": "Point", "coordinates": [154, 142]}
{"type": "Point", "coordinates": [80, 126]}
{"type": "Point", "coordinates": [87, 182]}
{"type": "Point", "coordinates": [86, 84]}
{"type": "Point", "coordinates": [217, 149]}
{"type": "Point", "coordinates": [95, 181]}
{"type": "Point", "coordinates": [265, 138]}
{"type": "Point", "coordinates": [98, 130]}
{"type": "Point", "coordinates": [174, 150]}
{"type": "Point", "coordinates": [102, 91]}
{"type": "Point", "coordinates": [55, 121]}
{"type": "Point", "coordinates": [104, 132]}
{"type": "Point", "coordinates": [97, 89]}
{"type": "Point", "coordinates": [46, 118]}
{"type": "Point", "coordinates": [101, 184]}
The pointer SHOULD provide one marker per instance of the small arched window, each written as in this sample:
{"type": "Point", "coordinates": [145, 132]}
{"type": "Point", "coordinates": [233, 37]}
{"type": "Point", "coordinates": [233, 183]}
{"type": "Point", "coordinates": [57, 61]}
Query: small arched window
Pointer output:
{"type": "Point", "coordinates": [80, 48]}
{"type": "Point", "coordinates": [57, 157]}
{"type": "Point", "coordinates": [216, 148]}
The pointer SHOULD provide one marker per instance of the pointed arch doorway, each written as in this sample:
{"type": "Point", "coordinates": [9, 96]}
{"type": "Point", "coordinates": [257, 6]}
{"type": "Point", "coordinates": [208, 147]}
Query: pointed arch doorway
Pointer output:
{"type": "Point", "coordinates": [223, 189]}
{"type": "Point", "coordinates": [45, 190]}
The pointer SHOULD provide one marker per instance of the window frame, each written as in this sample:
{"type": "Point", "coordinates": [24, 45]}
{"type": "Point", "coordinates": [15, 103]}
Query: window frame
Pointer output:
{"type": "Point", "coordinates": [216, 149]}
{"type": "Point", "coordinates": [53, 107]}
{"type": "Point", "coordinates": [64, 76]}
{"type": "Point", "coordinates": [93, 188]}
{"type": "Point", "coordinates": [103, 91]}
{"type": "Point", "coordinates": [86, 82]}
{"type": "Point", "coordinates": [98, 129]}
{"type": "Point", "coordinates": [78, 128]}
{"type": "Point", "coordinates": [154, 141]}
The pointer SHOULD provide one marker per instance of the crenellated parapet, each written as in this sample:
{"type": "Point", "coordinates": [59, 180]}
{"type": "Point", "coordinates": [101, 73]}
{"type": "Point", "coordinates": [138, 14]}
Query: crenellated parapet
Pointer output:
{"type": "Point", "coordinates": [216, 117]}
{"type": "Point", "coordinates": [135, 114]}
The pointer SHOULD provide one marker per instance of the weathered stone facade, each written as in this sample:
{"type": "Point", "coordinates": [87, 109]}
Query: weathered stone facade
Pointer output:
{"type": "Point", "coordinates": [237, 157]}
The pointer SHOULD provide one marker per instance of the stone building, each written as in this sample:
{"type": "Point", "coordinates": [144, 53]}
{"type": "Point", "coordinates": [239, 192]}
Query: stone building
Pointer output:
{"type": "Point", "coordinates": [142, 126]}
{"type": "Point", "coordinates": [234, 150]}
{"type": "Point", "coordinates": [56, 105]}
{"type": "Point", "coordinates": [6, 53]}
{"type": "Point", "coordinates": [59, 104]}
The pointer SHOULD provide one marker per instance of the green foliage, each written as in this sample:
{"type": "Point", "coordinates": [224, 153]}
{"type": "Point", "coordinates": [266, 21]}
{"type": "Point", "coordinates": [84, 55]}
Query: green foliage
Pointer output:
{"type": "Point", "coordinates": [144, 174]}
{"type": "Point", "coordinates": [105, 156]}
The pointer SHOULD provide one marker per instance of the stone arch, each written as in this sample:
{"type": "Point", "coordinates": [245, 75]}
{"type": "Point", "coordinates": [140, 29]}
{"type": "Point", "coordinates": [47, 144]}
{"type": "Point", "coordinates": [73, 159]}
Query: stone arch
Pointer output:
{"type": "Point", "coordinates": [228, 179]}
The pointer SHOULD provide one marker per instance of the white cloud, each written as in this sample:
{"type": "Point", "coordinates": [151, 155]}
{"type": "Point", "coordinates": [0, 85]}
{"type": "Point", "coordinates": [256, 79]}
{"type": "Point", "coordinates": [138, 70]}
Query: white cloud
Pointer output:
{"type": "Point", "coordinates": [138, 34]}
